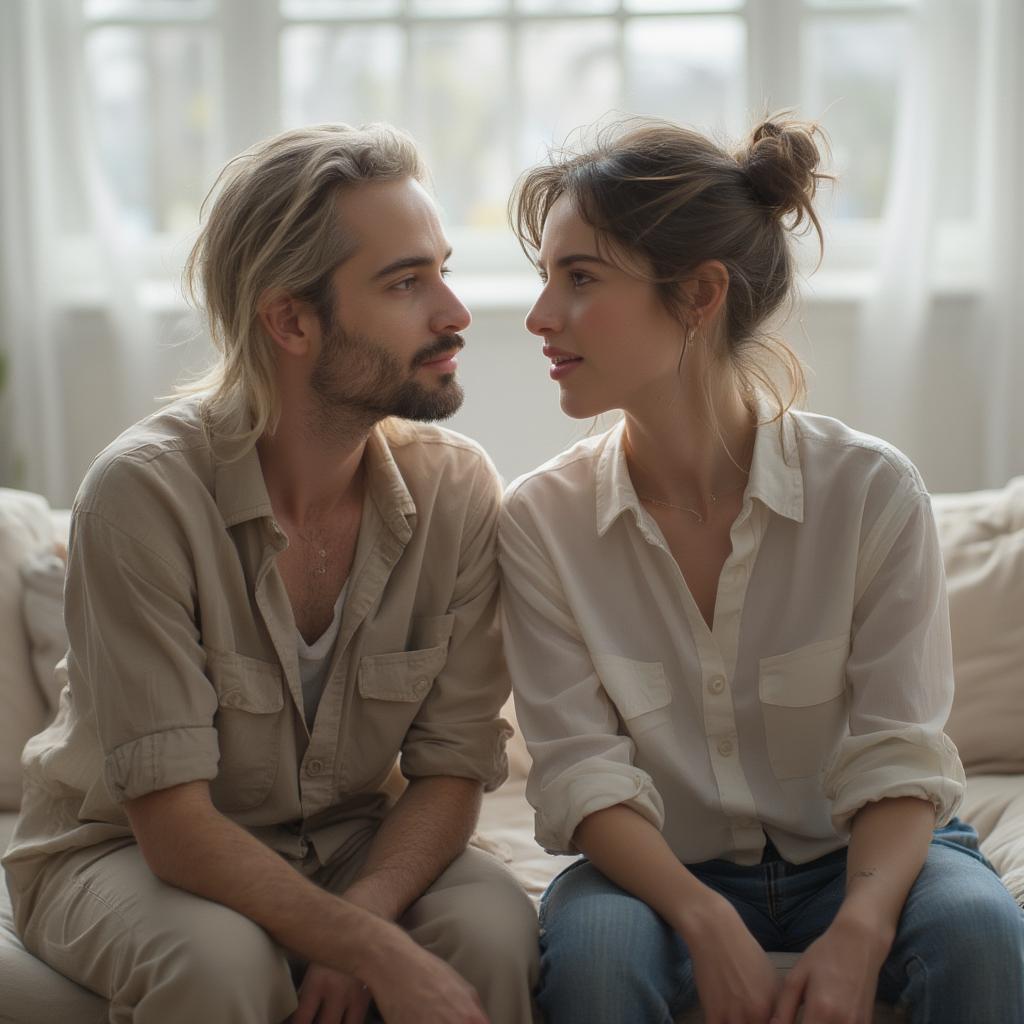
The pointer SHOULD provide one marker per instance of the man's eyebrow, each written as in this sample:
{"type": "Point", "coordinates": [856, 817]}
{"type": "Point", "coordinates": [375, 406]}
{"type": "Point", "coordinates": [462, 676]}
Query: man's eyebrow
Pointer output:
{"type": "Point", "coordinates": [407, 263]}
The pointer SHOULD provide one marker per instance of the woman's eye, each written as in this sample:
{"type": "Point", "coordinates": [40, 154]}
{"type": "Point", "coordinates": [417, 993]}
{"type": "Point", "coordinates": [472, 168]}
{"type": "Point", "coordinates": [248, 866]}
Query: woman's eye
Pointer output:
{"type": "Point", "coordinates": [578, 278]}
{"type": "Point", "coordinates": [446, 271]}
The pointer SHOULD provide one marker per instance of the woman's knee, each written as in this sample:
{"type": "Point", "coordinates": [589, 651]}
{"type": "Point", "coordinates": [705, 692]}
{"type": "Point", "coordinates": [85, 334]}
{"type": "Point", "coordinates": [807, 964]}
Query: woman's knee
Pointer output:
{"type": "Point", "coordinates": [606, 955]}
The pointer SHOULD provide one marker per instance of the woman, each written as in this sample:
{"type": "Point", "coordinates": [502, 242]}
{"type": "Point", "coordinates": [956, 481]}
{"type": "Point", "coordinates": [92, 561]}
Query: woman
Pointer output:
{"type": "Point", "coordinates": [727, 627]}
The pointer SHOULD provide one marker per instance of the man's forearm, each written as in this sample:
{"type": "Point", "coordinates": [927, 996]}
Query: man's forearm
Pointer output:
{"type": "Point", "coordinates": [426, 830]}
{"type": "Point", "coordinates": [888, 846]}
{"type": "Point", "coordinates": [189, 844]}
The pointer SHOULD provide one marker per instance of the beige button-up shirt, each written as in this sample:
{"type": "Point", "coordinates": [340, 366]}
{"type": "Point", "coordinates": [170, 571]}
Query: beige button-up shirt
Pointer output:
{"type": "Point", "coordinates": [824, 684]}
{"type": "Point", "coordinates": [182, 659]}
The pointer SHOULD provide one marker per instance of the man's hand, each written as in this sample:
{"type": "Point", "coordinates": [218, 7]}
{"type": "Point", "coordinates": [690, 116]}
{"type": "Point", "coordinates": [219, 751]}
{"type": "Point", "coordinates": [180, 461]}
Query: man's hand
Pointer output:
{"type": "Point", "coordinates": [836, 978]}
{"type": "Point", "coordinates": [330, 997]}
{"type": "Point", "coordinates": [421, 989]}
{"type": "Point", "coordinates": [736, 981]}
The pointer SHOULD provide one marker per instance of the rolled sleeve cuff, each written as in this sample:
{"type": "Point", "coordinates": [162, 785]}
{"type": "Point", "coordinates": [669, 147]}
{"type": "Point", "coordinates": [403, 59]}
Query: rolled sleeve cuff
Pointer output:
{"type": "Point", "coordinates": [586, 789]}
{"type": "Point", "coordinates": [478, 753]}
{"type": "Point", "coordinates": [913, 761]}
{"type": "Point", "coordinates": [161, 760]}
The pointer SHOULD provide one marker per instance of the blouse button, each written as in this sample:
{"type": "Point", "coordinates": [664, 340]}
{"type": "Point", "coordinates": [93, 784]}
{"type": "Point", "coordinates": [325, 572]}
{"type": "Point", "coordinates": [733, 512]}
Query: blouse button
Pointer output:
{"type": "Point", "coordinates": [717, 685]}
{"type": "Point", "coordinates": [725, 747]}
{"type": "Point", "coordinates": [314, 767]}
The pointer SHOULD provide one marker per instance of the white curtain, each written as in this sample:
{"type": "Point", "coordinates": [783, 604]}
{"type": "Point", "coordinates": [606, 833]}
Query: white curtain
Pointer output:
{"type": "Point", "coordinates": [1001, 313]}
{"type": "Point", "coordinates": [50, 168]}
{"type": "Point", "coordinates": [899, 316]}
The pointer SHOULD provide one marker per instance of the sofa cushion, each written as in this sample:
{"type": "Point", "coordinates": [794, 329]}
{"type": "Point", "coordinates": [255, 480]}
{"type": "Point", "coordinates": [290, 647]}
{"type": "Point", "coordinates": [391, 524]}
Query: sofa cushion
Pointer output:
{"type": "Point", "coordinates": [982, 539]}
{"type": "Point", "coordinates": [24, 527]}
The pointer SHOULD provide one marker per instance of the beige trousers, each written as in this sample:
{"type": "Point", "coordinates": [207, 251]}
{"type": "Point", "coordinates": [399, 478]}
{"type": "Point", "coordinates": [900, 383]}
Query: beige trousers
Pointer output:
{"type": "Point", "coordinates": [161, 955]}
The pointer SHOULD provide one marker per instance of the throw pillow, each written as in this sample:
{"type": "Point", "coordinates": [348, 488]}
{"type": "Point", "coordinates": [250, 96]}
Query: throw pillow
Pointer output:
{"type": "Point", "coordinates": [24, 526]}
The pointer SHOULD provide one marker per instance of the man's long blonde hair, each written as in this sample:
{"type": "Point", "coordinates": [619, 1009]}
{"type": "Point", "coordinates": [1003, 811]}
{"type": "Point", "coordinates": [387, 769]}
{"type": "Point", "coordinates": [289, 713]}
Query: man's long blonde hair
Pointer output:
{"type": "Point", "coordinates": [273, 225]}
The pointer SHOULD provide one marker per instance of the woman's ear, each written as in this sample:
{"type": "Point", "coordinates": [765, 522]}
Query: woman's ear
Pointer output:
{"type": "Point", "coordinates": [291, 323]}
{"type": "Point", "coordinates": [706, 290]}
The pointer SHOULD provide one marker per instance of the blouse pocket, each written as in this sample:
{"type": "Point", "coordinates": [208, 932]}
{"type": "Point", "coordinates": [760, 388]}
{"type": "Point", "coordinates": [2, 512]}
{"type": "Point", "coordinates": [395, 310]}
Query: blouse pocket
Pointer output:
{"type": "Point", "coordinates": [803, 701]}
{"type": "Point", "coordinates": [638, 689]}
{"type": "Point", "coordinates": [249, 720]}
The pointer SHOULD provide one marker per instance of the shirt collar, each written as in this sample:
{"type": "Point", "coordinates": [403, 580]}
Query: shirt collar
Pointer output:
{"type": "Point", "coordinates": [241, 491]}
{"type": "Point", "coordinates": [776, 477]}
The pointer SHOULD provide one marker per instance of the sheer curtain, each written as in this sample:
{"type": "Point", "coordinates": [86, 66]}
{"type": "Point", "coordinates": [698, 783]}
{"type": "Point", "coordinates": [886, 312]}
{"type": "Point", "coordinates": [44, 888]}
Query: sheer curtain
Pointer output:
{"type": "Point", "coordinates": [1001, 313]}
{"type": "Point", "coordinates": [901, 313]}
{"type": "Point", "coordinates": [61, 223]}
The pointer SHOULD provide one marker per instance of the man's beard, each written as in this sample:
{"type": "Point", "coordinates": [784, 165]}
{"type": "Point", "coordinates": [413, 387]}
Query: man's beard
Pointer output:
{"type": "Point", "coordinates": [358, 382]}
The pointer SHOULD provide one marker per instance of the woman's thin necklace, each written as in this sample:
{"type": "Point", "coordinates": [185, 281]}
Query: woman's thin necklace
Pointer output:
{"type": "Point", "coordinates": [700, 517]}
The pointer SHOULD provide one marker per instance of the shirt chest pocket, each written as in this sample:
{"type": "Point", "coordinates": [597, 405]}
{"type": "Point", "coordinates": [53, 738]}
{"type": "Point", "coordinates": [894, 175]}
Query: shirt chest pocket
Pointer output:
{"type": "Point", "coordinates": [249, 721]}
{"type": "Point", "coordinates": [638, 689]}
{"type": "Point", "coordinates": [392, 686]}
{"type": "Point", "coordinates": [804, 704]}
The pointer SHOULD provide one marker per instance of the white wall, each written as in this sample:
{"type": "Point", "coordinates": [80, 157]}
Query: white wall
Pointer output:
{"type": "Point", "coordinates": [512, 407]}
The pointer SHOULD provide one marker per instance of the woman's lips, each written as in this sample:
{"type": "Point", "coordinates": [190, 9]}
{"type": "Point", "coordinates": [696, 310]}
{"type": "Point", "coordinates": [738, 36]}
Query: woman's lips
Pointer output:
{"type": "Point", "coordinates": [561, 370]}
{"type": "Point", "coordinates": [562, 362]}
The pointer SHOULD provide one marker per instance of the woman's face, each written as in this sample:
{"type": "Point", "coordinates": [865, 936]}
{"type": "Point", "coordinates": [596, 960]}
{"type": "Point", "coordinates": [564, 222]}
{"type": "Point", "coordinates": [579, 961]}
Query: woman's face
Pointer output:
{"type": "Point", "coordinates": [610, 342]}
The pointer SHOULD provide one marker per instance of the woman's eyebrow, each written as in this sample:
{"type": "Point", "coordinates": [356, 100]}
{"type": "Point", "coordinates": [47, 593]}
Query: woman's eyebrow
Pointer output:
{"type": "Point", "coordinates": [578, 257]}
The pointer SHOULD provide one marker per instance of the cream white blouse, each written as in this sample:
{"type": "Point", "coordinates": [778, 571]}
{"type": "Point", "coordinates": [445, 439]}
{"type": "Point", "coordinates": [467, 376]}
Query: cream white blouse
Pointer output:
{"type": "Point", "coordinates": [824, 684]}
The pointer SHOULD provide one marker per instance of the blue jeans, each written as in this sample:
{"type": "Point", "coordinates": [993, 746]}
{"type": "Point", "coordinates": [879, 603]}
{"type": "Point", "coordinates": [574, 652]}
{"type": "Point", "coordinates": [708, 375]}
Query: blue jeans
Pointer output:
{"type": "Point", "coordinates": [607, 958]}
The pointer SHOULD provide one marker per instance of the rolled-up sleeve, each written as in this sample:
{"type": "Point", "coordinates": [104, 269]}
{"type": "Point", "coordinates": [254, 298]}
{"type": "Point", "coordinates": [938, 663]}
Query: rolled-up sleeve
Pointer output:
{"type": "Point", "coordinates": [458, 731]}
{"type": "Point", "coordinates": [134, 643]}
{"type": "Point", "coordinates": [899, 674]}
{"type": "Point", "coordinates": [581, 761]}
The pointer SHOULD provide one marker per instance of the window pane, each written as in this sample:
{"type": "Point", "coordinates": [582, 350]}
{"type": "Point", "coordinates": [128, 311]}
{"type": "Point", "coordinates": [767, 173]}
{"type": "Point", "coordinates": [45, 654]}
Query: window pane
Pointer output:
{"type": "Point", "coordinates": [569, 76]}
{"type": "Point", "coordinates": [688, 69]}
{"type": "Point", "coordinates": [338, 8]}
{"type": "Point", "coordinates": [460, 117]}
{"type": "Point", "coordinates": [351, 74]}
{"type": "Point", "coordinates": [676, 6]}
{"type": "Point", "coordinates": [151, 96]}
{"type": "Point", "coordinates": [852, 77]}
{"type": "Point", "coordinates": [469, 8]}
{"type": "Point", "coordinates": [566, 6]}
{"type": "Point", "coordinates": [144, 9]}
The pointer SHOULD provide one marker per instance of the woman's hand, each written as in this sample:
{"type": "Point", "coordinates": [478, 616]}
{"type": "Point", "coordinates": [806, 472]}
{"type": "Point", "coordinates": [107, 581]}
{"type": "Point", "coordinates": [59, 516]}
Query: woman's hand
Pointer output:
{"type": "Point", "coordinates": [736, 981]}
{"type": "Point", "coordinates": [330, 997]}
{"type": "Point", "coordinates": [836, 978]}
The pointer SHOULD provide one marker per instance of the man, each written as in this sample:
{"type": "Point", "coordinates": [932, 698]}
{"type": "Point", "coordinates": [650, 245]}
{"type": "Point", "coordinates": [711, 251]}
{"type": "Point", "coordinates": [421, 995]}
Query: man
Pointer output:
{"type": "Point", "coordinates": [276, 586]}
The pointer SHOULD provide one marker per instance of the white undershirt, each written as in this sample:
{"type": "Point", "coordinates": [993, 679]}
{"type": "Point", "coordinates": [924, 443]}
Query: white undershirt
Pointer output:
{"type": "Point", "coordinates": [314, 659]}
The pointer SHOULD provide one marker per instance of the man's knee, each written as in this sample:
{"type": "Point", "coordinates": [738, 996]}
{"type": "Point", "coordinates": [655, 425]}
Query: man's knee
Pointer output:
{"type": "Point", "coordinates": [477, 910]}
{"type": "Point", "coordinates": [222, 967]}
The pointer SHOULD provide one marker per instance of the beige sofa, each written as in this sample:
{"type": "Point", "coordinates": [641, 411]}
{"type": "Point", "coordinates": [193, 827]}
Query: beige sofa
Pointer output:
{"type": "Point", "coordinates": [983, 545]}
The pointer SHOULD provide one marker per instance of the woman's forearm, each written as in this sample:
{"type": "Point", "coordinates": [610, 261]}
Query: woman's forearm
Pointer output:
{"type": "Point", "coordinates": [888, 846]}
{"type": "Point", "coordinates": [625, 847]}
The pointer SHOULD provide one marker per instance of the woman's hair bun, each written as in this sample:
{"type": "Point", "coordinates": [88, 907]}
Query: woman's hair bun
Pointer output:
{"type": "Point", "coordinates": [781, 161]}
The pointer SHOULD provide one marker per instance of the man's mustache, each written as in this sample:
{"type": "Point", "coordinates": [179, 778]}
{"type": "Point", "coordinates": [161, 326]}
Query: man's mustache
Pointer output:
{"type": "Point", "coordinates": [444, 344]}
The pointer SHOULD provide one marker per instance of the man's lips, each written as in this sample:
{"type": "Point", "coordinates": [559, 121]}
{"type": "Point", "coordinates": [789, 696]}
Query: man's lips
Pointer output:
{"type": "Point", "coordinates": [446, 362]}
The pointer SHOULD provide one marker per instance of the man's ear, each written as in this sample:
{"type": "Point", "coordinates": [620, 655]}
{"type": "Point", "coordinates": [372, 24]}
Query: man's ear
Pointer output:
{"type": "Point", "coordinates": [706, 290]}
{"type": "Point", "coordinates": [291, 323]}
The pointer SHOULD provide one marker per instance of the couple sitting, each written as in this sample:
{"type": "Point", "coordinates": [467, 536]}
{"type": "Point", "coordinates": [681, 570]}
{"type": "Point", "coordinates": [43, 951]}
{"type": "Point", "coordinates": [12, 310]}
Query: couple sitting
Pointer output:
{"type": "Point", "coordinates": [724, 619]}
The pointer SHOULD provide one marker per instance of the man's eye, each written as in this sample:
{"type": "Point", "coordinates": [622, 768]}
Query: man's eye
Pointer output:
{"type": "Point", "coordinates": [405, 284]}
{"type": "Point", "coordinates": [446, 271]}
